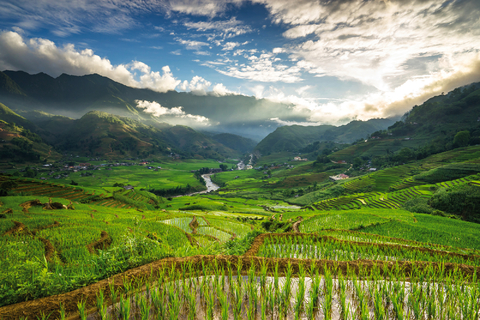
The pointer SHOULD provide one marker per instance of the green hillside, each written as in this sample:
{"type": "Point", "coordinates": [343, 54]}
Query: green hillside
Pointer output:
{"type": "Point", "coordinates": [99, 133]}
{"type": "Point", "coordinates": [235, 142]}
{"type": "Point", "coordinates": [238, 114]}
{"type": "Point", "coordinates": [293, 138]}
{"type": "Point", "coordinates": [8, 86]}
{"type": "Point", "coordinates": [6, 114]}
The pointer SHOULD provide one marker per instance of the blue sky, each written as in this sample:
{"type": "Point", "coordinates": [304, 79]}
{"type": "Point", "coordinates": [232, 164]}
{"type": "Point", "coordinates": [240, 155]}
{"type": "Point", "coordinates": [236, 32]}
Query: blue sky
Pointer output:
{"type": "Point", "coordinates": [335, 60]}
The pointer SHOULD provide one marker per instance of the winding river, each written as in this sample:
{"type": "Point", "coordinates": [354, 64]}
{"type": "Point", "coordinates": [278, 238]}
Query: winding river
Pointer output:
{"type": "Point", "coordinates": [208, 183]}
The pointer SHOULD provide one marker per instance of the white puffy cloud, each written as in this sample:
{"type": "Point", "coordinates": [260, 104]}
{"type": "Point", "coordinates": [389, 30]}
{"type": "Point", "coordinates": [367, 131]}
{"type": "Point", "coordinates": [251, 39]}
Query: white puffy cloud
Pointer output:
{"type": "Point", "coordinates": [220, 90]}
{"type": "Point", "coordinates": [379, 104]}
{"type": "Point", "coordinates": [198, 86]}
{"type": "Point", "coordinates": [379, 43]}
{"type": "Point", "coordinates": [175, 115]}
{"type": "Point", "coordinates": [258, 91]}
{"type": "Point", "coordinates": [42, 55]}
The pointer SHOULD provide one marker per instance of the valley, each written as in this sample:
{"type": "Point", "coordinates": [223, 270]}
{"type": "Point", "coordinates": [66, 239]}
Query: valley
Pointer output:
{"type": "Point", "coordinates": [119, 215]}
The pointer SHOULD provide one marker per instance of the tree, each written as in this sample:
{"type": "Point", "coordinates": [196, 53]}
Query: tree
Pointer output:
{"type": "Point", "coordinates": [357, 163]}
{"type": "Point", "coordinates": [224, 167]}
{"type": "Point", "coordinates": [461, 138]}
{"type": "Point", "coordinates": [30, 173]}
{"type": "Point", "coordinates": [405, 154]}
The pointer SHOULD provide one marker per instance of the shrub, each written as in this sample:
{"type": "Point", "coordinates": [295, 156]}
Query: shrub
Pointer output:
{"type": "Point", "coordinates": [418, 205]}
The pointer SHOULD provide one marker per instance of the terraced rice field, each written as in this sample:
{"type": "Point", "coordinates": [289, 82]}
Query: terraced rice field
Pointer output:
{"type": "Point", "coordinates": [389, 200]}
{"type": "Point", "coordinates": [37, 188]}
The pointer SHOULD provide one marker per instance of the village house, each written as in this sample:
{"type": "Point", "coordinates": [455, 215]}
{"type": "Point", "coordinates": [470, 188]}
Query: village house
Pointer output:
{"type": "Point", "coordinates": [340, 176]}
{"type": "Point", "coordinates": [299, 159]}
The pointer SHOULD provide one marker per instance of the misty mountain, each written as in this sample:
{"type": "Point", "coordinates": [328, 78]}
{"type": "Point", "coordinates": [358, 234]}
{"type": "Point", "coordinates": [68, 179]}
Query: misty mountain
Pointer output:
{"type": "Point", "coordinates": [103, 134]}
{"type": "Point", "coordinates": [294, 138]}
{"type": "Point", "coordinates": [74, 96]}
{"type": "Point", "coordinates": [238, 143]}
{"type": "Point", "coordinates": [6, 114]}
{"type": "Point", "coordinates": [18, 143]}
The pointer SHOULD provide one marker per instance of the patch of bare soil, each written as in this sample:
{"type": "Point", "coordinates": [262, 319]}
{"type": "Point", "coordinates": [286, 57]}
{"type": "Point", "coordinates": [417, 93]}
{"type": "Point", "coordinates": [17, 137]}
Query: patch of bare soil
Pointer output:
{"type": "Point", "coordinates": [9, 210]}
{"type": "Point", "coordinates": [28, 204]}
{"type": "Point", "coordinates": [54, 225]}
{"type": "Point", "coordinates": [51, 305]}
{"type": "Point", "coordinates": [194, 225]}
{"type": "Point", "coordinates": [192, 241]}
{"type": "Point", "coordinates": [296, 225]}
{"type": "Point", "coordinates": [104, 242]}
{"type": "Point", "coordinates": [49, 249]}
{"type": "Point", "coordinates": [206, 221]}
{"type": "Point", "coordinates": [18, 227]}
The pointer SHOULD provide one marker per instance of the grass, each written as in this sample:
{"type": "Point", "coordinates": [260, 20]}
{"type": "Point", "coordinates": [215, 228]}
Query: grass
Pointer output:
{"type": "Point", "coordinates": [431, 229]}
{"type": "Point", "coordinates": [172, 174]}
{"type": "Point", "coordinates": [399, 224]}
{"type": "Point", "coordinates": [314, 247]}
{"type": "Point", "coordinates": [139, 237]}
{"type": "Point", "coordinates": [340, 220]}
{"type": "Point", "coordinates": [135, 237]}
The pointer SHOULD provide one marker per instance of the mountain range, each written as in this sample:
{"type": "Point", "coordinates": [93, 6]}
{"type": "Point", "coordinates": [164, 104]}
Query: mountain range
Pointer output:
{"type": "Point", "coordinates": [73, 96]}
{"type": "Point", "coordinates": [94, 115]}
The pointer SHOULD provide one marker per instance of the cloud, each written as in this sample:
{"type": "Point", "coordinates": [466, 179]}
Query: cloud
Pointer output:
{"type": "Point", "coordinates": [230, 45]}
{"type": "Point", "coordinates": [375, 42]}
{"type": "Point", "coordinates": [202, 53]}
{"type": "Point", "coordinates": [292, 123]}
{"type": "Point", "coordinates": [208, 8]}
{"type": "Point", "coordinates": [41, 55]}
{"type": "Point", "coordinates": [301, 90]}
{"type": "Point", "coordinates": [198, 86]}
{"type": "Point", "coordinates": [191, 44]}
{"type": "Point", "coordinates": [396, 102]}
{"type": "Point", "coordinates": [227, 28]}
{"type": "Point", "coordinates": [263, 68]}
{"type": "Point", "coordinates": [258, 91]}
{"type": "Point", "coordinates": [65, 17]}
{"type": "Point", "coordinates": [175, 115]}
{"type": "Point", "coordinates": [220, 90]}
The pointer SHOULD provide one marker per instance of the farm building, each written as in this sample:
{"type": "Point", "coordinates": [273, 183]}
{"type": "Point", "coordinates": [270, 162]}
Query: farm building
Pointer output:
{"type": "Point", "coordinates": [300, 159]}
{"type": "Point", "coordinates": [340, 176]}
